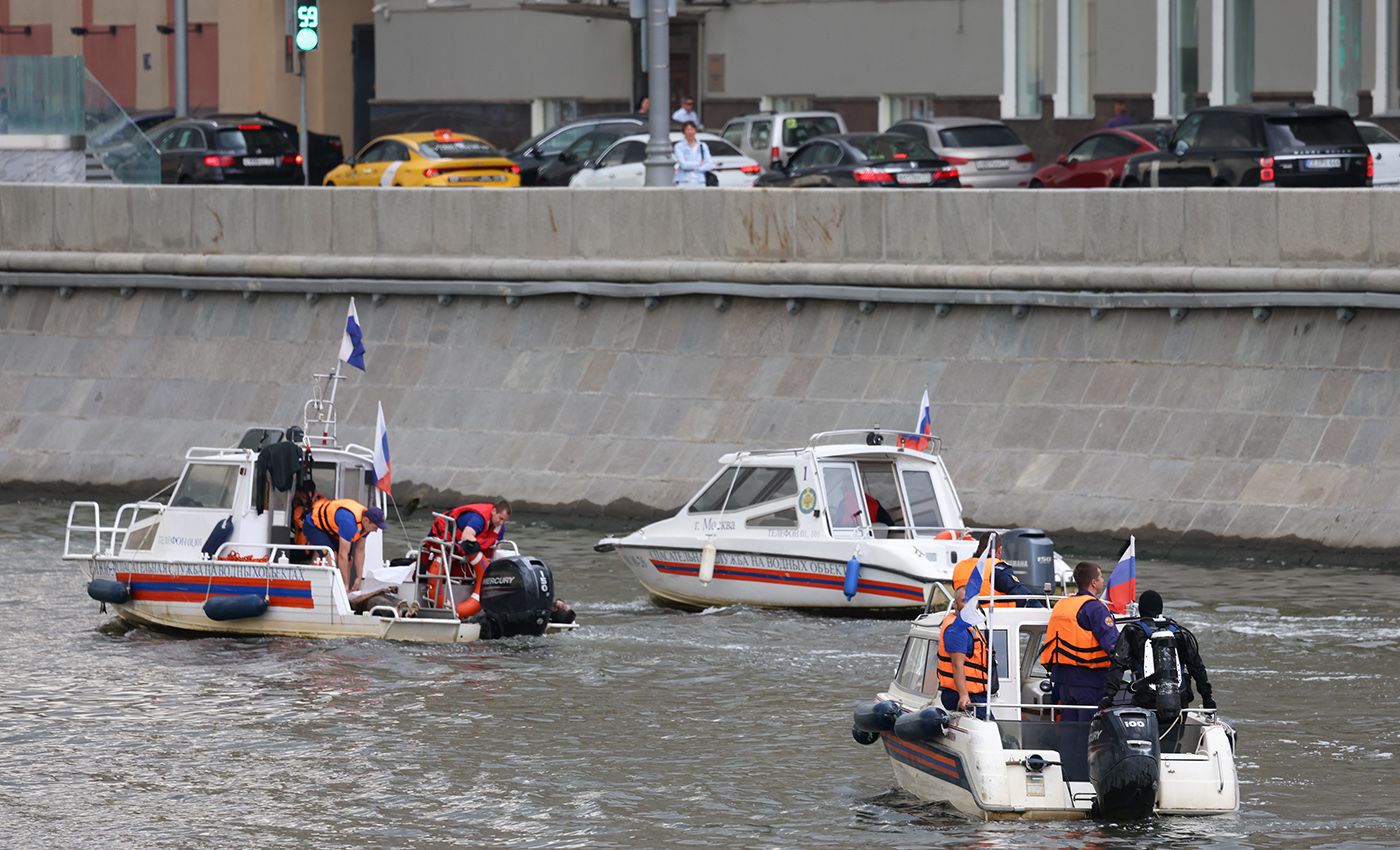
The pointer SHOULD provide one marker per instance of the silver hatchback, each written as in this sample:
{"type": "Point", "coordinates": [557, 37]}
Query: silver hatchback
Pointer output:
{"type": "Point", "coordinates": [987, 154]}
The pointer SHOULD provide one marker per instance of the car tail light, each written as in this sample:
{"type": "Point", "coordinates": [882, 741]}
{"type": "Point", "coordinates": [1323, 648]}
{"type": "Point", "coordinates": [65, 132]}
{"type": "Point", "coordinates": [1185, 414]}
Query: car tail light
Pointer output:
{"type": "Point", "coordinates": [215, 160]}
{"type": "Point", "coordinates": [751, 169]}
{"type": "Point", "coordinates": [337, 144]}
{"type": "Point", "coordinates": [292, 159]}
{"type": "Point", "coordinates": [872, 175]}
{"type": "Point", "coordinates": [515, 169]}
{"type": "Point", "coordinates": [945, 174]}
{"type": "Point", "coordinates": [777, 153]}
{"type": "Point", "coordinates": [901, 156]}
{"type": "Point", "coordinates": [1266, 169]}
{"type": "Point", "coordinates": [250, 126]}
{"type": "Point", "coordinates": [1370, 166]}
{"type": "Point", "coordinates": [431, 172]}
{"type": "Point", "coordinates": [1026, 157]}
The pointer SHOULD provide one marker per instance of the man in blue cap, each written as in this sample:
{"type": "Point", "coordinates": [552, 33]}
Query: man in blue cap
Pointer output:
{"type": "Point", "coordinates": [340, 524]}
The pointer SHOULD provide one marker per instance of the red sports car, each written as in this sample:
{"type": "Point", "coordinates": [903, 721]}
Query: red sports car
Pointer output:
{"type": "Point", "coordinates": [1096, 161]}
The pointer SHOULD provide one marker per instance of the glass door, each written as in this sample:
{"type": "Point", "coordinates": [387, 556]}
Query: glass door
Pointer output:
{"type": "Point", "coordinates": [845, 508]}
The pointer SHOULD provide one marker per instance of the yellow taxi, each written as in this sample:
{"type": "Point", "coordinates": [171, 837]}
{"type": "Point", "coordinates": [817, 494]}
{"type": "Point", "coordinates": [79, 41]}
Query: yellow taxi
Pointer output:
{"type": "Point", "coordinates": [439, 158]}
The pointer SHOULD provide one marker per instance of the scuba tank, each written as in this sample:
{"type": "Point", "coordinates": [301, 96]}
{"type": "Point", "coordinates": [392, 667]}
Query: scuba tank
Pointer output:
{"type": "Point", "coordinates": [1161, 669]}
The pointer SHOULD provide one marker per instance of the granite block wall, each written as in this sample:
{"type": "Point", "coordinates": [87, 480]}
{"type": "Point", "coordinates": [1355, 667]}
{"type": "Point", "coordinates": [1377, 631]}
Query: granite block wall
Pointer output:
{"type": "Point", "coordinates": [1214, 425]}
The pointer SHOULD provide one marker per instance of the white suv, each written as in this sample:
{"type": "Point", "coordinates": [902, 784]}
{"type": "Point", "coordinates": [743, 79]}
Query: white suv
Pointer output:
{"type": "Point", "coordinates": [771, 137]}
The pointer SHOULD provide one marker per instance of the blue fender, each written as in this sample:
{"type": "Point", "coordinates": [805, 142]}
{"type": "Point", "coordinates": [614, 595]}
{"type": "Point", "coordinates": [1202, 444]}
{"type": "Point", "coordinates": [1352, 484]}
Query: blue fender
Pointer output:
{"type": "Point", "coordinates": [852, 578]}
{"type": "Point", "coordinates": [919, 726]}
{"type": "Point", "coordinates": [238, 607]}
{"type": "Point", "coordinates": [107, 590]}
{"type": "Point", "coordinates": [876, 717]}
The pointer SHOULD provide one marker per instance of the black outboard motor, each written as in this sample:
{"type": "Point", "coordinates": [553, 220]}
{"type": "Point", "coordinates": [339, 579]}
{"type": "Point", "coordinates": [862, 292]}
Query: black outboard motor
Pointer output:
{"type": "Point", "coordinates": [1031, 555]}
{"type": "Point", "coordinates": [517, 596]}
{"type": "Point", "coordinates": [1124, 762]}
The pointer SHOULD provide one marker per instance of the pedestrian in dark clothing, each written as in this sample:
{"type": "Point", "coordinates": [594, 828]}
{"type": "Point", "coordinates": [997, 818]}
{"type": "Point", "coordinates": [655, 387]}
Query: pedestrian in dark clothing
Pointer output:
{"type": "Point", "coordinates": [1120, 118]}
{"type": "Point", "coordinates": [1129, 656]}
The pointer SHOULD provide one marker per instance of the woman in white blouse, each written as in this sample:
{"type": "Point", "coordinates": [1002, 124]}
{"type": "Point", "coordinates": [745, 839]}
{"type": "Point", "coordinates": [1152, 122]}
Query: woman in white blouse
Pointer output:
{"type": "Point", "coordinates": [692, 159]}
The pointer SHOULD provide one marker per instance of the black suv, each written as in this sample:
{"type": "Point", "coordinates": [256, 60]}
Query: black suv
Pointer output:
{"type": "Point", "coordinates": [1257, 145]}
{"type": "Point", "coordinates": [226, 150]}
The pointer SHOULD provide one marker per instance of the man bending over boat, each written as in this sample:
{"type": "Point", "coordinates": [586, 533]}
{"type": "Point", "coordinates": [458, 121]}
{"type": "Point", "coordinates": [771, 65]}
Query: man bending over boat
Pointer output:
{"type": "Point", "coordinates": [341, 525]}
{"type": "Point", "coordinates": [479, 528]}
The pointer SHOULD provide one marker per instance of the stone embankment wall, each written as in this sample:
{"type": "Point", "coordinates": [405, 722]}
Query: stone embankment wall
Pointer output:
{"type": "Point", "coordinates": [1272, 424]}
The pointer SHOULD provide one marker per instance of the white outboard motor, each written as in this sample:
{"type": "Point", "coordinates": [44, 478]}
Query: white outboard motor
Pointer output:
{"type": "Point", "coordinates": [1124, 762]}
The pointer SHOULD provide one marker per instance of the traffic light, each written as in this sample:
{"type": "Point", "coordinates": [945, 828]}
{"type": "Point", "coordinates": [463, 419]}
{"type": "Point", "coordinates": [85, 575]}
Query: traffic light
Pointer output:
{"type": "Point", "coordinates": [307, 26]}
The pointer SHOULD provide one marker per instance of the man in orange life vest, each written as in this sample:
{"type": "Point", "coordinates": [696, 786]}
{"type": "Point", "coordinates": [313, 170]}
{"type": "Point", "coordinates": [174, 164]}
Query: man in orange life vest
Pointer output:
{"type": "Point", "coordinates": [341, 526]}
{"type": "Point", "coordinates": [963, 663]}
{"type": "Point", "coordinates": [1078, 640]}
{"type": "Point", "coordinates": [1003, 579]}
{"type": "Point", "coordinates": [479, 528]}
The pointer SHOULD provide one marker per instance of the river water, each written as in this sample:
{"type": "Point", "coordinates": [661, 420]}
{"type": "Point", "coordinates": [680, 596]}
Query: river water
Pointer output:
{"type": "Point", "coordinates": [646, 728]}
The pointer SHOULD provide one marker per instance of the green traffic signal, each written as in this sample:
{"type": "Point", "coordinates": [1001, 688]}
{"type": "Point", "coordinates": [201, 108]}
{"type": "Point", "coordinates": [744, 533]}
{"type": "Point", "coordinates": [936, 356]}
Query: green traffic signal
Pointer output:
{"type": "Point", "coordinates": [308, 24]}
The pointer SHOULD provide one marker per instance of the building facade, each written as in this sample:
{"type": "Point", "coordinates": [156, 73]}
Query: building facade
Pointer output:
{"type": "Point", "coordinates": [1053, 68]}
{"type": "Point", "coordinates": [237, 54]}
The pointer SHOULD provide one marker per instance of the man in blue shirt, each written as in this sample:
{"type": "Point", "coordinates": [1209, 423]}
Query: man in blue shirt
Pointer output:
{"type": "Point", "coordinates": [964, 665]}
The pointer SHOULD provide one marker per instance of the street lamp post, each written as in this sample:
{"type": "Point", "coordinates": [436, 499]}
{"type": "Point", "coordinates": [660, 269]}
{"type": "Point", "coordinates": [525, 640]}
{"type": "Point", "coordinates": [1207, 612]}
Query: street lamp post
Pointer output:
{"type": "Point", "coordinates": [660, 168]}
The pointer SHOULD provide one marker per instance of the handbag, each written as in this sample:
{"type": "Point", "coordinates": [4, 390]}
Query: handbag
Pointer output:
{"type": "Point", "coordinates": [711, 178]}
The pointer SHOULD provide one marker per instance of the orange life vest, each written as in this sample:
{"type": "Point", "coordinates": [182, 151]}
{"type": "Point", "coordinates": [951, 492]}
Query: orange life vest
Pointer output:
{"type": "Point", "coordinates": [974, 666]}
{"type": "Point", "coordinates": [1067, 642]}
{"type": "Point", "coordinates": [299, 519]}
{"type": "Point", "coordinates": [963, 571]}
{"type": "Point", "coordinates": [323, 516]}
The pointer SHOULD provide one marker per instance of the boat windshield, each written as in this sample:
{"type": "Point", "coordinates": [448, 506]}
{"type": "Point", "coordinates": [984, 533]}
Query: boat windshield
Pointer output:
{"type": "Point", "coordinates": [206, 485]}
{"type": "Point", "coordinates": [753, 485]}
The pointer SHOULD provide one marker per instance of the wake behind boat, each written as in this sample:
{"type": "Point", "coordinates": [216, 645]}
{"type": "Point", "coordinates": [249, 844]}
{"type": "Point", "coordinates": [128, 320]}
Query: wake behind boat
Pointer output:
{"type": "Point", "coordinates": [863, 521]}
{"type": "Point", "coordinates": [220, 556]}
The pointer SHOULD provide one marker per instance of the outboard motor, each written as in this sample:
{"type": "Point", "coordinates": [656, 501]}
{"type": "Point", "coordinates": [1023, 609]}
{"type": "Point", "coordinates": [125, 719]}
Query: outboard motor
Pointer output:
{"type": "Point", "coordinates": [1124, 762]}
{"type": "Point", "coordinates": [1031, 554]}
{"type": "Point", "coordinates": [517, 597]}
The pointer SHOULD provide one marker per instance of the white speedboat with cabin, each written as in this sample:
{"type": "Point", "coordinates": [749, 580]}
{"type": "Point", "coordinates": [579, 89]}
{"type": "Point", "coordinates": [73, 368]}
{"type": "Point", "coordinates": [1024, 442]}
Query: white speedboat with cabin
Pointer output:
{"type": "Point", "coordinates": [855, 521]}
{"type": "Point", "coordinates": [217, 556]}
{"type": "Point", "coordinates": [1021, 763]}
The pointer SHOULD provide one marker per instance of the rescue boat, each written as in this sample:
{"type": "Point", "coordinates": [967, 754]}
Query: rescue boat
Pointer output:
{"type": "Point", "coordinates": [213, 553]}
{"type": "Point", "coordinates": [1022, 763]}
{"type": "Point", "coordinates": [858, 521]}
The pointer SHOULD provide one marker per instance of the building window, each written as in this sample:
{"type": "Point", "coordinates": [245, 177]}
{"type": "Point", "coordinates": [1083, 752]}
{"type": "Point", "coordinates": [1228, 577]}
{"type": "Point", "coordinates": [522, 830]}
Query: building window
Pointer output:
{"type": "Point", "coordinates": [1021, 33]}
{"type": "Point", "coordinates": [1178, 57]}
{"type": "Point", "coordinates": [1074, 58]}
{"type": "Point", "coordinates": [548, 112]}
{"type": "Point", "coordinates": [1232, 42]}
{"type": "Point", "coordinates": [904, 107]}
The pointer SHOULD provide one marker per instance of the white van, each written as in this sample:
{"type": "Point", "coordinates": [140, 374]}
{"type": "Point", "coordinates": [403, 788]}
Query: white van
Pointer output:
{"type": "Point", "coordinates": [771, 137]}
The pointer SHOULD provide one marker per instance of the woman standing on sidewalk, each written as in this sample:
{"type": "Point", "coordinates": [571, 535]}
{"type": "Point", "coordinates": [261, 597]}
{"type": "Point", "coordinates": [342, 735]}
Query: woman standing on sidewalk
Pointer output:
{"type": "Point", "coordinates": [692, 159]}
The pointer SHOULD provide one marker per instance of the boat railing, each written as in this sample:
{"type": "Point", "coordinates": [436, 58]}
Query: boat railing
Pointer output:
{"type": "Point", "coordinates": [873, 437]}
{"type": "Point", "coordinates": [215, 453]}
{"type": "Point", "coordinates": [116, 533]}
{"type": "Point", "coordinates": [318, 421]}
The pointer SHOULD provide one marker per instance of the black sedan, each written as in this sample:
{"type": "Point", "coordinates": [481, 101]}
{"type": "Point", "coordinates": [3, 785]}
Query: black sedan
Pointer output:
{"type": "Point", "coordinates": [226, 150]}
{"type": "Point", "coordinates": [324, 150]}
{"type": "Point", "coordinates": [876, 160]}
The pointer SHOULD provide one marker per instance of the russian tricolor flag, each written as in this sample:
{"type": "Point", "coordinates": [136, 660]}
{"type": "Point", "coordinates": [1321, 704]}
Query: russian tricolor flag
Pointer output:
{"type": "Point", "coordinates": [352, 345]}
{"type": "Point", "coordinates": [1122, 584]}
{"type": "Point", "coordinates": [923, 430]}
{"type": "Point", "coordinates": [970, 613]}
{"type": "Point", "coordinates": [382, 470]}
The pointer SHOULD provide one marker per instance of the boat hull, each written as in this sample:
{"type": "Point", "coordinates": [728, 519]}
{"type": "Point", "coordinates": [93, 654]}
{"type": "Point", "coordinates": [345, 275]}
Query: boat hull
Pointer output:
{"type": "Point", "coordinates": [303, 601]}
{"type": "Point", "coordinates": [770, 580]}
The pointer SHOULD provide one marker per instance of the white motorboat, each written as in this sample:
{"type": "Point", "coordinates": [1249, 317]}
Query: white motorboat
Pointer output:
{"type": "Point", "coordinates": [217, 556]}
{"type": "Point", "coordinates": [855, 521]}
{"type": "Point", "coordinates": [1021, 763]}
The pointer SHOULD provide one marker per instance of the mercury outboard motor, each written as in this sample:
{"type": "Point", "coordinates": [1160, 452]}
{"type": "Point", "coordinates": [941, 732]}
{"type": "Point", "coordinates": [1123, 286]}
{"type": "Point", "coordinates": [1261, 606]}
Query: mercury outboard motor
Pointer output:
{"type": "Point", "coordinates": [1124, 762]}
{"type": "Point", "coordinates": [1031, 554]}
{"type": "Point", "coordinates": [517, 597]}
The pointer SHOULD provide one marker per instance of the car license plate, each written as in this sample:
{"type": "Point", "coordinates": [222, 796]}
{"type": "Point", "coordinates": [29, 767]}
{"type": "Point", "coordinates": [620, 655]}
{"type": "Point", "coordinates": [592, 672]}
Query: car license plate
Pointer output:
{"type": "Point", "coordinates": [477, 178]}
{"type": "Point", "coordinates": [1325, 164]}
{"type": "Point", "coordinates": [913, 178]}
{"type": "Point", "coordinates": [993, 164]}
{"type": "Point", "coordinates": [259, 161]}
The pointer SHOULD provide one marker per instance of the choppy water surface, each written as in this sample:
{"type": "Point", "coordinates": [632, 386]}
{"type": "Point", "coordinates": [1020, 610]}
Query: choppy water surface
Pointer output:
{"type": "Point", "coordinates": [647, 728]}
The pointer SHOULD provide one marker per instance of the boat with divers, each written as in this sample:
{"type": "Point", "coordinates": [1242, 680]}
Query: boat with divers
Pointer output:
{"type": "Point", "coordinates": [858, 521]}
{"type": "Point", "coordinates": [1024, 762]}
{"type": "Point", "coordinates": [217, 555]}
